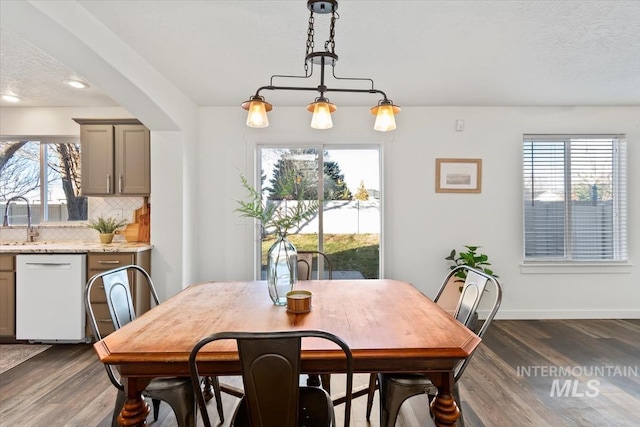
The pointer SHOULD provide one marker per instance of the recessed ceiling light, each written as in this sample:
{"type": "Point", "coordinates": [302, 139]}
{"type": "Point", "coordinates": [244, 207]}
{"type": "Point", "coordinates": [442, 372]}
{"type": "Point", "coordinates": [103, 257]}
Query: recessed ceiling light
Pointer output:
{"type": "Point", "coordinates": [78, 84]}
{"type": "Point", "coordinates": [11, 98]}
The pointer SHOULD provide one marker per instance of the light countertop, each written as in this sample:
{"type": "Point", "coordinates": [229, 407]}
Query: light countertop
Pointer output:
{"type": "Point", "coordinates": [79, 246]}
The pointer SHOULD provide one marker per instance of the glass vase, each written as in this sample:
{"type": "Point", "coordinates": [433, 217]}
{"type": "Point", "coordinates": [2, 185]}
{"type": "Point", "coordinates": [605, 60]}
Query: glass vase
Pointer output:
{"type": "Point", "coordinates": [282, 269]}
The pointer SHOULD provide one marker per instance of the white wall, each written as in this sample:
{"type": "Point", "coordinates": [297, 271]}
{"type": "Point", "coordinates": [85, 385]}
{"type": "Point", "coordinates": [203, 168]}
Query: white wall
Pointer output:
{"type": "Point", "coordinates": [51, 121]}
{"type": "Point", "coordinates": [421, 226]}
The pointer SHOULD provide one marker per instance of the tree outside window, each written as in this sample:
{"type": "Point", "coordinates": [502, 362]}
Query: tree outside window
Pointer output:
{"type": "Point", "coordinates": [47, 174]}
{"type": "Point", "coordinates": [345, 228]}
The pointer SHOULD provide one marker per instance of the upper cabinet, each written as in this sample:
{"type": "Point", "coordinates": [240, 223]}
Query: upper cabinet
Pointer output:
{"type": "Point", "coordinates": [116, 158]}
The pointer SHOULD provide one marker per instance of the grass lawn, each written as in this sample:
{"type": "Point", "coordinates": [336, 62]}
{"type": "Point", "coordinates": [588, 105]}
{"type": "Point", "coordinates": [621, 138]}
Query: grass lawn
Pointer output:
{"type": "Point", "coordinates": [347, 252]}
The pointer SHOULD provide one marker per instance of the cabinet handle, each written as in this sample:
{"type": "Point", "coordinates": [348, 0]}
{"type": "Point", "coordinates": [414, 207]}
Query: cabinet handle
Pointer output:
{"type": "Point", "coordinates": [120, 183]}
{"type": "Point", "coordinates": [108, 262]}
{"type": "Point", "coordinates": [108, 183]}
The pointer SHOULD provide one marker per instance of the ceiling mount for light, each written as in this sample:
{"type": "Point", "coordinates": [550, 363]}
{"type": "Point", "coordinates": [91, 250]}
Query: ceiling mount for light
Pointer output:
{"type": "Point", "coordinates": [321, 107]}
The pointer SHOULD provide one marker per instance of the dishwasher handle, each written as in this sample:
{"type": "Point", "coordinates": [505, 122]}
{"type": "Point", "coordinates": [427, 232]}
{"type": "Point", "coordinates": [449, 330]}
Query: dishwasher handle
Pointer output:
{"type": "Point", "coordinates": [48, 263]}
{"type": "Point", "coordinates": [59, 265]}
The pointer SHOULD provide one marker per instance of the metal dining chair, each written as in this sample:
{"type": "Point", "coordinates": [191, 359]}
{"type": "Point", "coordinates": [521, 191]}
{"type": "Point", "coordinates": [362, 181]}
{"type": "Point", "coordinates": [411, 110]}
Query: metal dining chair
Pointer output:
{"type": "Point", "coordinates": [395, 388]}
{"type": "Point", "coordinates": [177, 392]}
{"type": "Point", "coordinates": [314, 261]}
{"type": "Point", "coordinates": [308, 263]}
{"type": "Point", "coordinates": [270, 364]}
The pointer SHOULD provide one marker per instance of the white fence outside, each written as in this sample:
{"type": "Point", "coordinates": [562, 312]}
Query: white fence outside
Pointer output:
{"type": "Point", "coordinates": [346, 217]}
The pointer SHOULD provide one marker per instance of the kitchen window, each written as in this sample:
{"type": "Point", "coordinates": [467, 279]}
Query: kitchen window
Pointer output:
{"type": "Point", "coordinates": [574, 194]}
{"type": "Point", "coordinates": [47, 173]}
{"type": "Point", "coordinates": [347, 180]}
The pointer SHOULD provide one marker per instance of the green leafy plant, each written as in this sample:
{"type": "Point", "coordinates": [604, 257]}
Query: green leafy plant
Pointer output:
{"type": "Point", "coordinates": [471, 258]}
{"type": "Point", "coordinates": [106, 225]}
{"type": "Point", "coordinates": [276, 217]}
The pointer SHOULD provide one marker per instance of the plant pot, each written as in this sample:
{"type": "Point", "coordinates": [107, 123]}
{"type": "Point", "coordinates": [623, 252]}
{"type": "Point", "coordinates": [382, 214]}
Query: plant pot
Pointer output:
{"type": "Point", "coordinates": [282, 270]}
{"type": "Point", "coordinates": [106, 238]}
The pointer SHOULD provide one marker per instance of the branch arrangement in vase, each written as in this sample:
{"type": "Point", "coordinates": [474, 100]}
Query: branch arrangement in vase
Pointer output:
{"type": "Point", "coordinates": [276, 217]}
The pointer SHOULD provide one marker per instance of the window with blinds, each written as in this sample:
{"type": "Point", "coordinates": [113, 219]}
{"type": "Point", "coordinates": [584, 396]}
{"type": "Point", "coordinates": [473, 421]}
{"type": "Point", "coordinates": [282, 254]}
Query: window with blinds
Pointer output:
{"type": "Point", "coordinates": [574, 194]}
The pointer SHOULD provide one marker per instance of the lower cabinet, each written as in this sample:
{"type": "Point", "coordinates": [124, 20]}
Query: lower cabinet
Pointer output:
{"type": "Point", "coordinates": [100, 262]}
{"type": "Point", "coordinates": [7, 295]}
{"type": "Point", "coordinates": [96, 263]}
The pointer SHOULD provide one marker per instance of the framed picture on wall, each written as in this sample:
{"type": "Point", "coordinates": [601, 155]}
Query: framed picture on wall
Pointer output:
{"type": "Point", "coordinates": [458, 175]}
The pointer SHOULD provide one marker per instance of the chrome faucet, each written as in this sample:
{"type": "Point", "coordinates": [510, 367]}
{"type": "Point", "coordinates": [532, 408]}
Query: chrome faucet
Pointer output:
{"type": "Point", "coordinates": [31, 233]}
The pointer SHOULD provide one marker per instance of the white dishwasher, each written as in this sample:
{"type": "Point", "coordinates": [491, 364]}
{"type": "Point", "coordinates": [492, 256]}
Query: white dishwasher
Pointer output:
{"type": "Point", "coordinates": [49, 297]}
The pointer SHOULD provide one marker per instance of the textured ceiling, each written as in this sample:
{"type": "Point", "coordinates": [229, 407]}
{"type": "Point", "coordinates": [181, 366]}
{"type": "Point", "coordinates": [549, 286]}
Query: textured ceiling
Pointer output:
{"type": "Point", "coordinates": [525, 53]}
{"type": "Point", "coordinates": [36, 77]}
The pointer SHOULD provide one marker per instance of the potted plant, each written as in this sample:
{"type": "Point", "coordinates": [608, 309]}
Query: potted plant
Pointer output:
{"type": "Point", "coordinates": [278, 217]}
{"type": "Point", "coordinates": [106, 227]}
{"type": "Point", "coordinates": [472, 258]}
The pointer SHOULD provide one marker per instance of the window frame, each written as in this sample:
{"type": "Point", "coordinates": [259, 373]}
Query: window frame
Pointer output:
{"type": "Point", "coordinates": [43, 143]}
{"type": "Point", "coordinates": [320, 147]}
{"type": "Point", "coordinates": [619, 230]}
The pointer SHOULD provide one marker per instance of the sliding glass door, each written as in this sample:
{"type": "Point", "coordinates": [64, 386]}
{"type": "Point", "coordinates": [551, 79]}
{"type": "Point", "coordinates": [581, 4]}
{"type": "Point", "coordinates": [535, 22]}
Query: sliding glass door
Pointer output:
{"type": "Point", "coordinates": [346, 182]}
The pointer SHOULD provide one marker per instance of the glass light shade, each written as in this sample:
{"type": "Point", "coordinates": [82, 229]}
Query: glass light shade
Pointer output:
{"type": "Point", "coordinates": [321, 116]}
{"type": "Point", "coordinates": [385, 113]}
{"type": "Point", "coordinates": [257, 116]}
{"type": "Point", "coordinates": [385, 119]}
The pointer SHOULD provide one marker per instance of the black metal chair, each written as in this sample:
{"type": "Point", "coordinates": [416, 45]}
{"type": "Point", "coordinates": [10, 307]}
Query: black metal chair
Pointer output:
{"type": "Point", "coordinates": [270, 364]}
{"type": "Point", "coordinates": [314, 261]}
{"type": "Point", "coordinates": [395, 388]}
{"type": "Point", "coordinates": [308, 263]}
{"type": "Point", "coordinates": [177, 392]}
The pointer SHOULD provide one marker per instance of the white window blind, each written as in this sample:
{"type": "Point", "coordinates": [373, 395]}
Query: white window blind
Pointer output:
{"type": "Point", "coordinates": [574, 194]}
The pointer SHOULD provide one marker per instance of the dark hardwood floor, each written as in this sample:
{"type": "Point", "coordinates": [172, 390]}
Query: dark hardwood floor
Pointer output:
{"type": "Point", "coordinates": [526, 373]}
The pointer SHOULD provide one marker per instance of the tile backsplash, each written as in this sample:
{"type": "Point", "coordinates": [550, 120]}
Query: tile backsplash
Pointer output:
{"type": "Point", "coordinates": [117, 207]}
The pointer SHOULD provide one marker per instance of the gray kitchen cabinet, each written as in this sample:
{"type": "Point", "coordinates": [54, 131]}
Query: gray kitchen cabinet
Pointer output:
{"type": "Point", "coordinates": [7, 295]}
{"type": "Point", "coordinates": [116, 157]}
{"type": "Point", "coordinates": [100, 262]}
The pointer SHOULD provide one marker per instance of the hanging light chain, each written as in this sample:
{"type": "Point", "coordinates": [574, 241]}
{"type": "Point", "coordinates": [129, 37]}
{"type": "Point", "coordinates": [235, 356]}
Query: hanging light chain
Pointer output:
{"type": "Point", "coordinates": [310, 35]}
{"type": "Point", "coordinates": [332, 34]}
{"type": "Point", "coordinates": [321, 107]}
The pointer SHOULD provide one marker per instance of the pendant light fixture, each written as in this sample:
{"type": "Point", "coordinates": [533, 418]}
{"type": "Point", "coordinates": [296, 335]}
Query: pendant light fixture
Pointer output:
{"type": "Point", "coordinates": [321, 107]}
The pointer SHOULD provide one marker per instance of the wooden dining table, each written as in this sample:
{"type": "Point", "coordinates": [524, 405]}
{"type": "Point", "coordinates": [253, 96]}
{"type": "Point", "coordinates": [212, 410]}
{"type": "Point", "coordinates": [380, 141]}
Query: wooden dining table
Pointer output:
{"type": "Point", "coordinates": [389, 325]}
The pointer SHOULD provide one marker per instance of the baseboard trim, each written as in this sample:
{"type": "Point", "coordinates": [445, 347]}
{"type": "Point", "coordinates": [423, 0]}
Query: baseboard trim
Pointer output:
{"type": "Point", "coordinates": [564, 314]}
